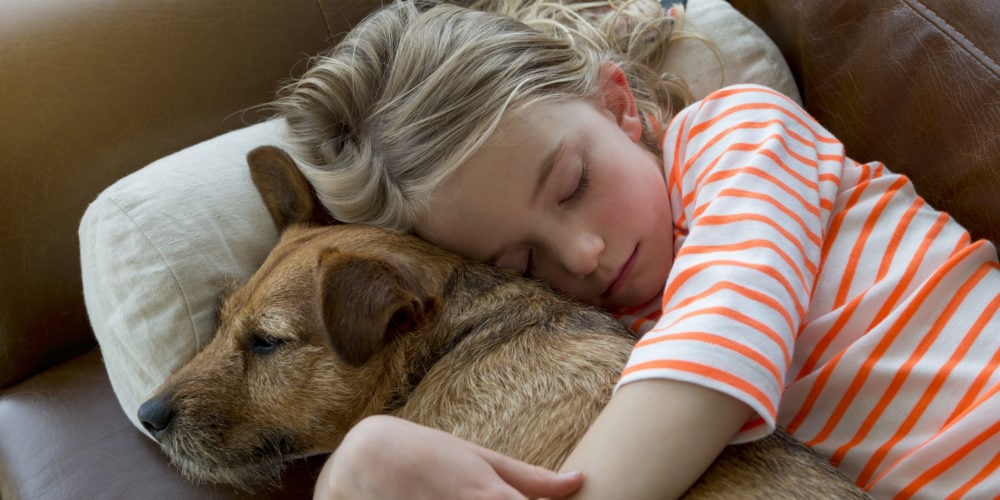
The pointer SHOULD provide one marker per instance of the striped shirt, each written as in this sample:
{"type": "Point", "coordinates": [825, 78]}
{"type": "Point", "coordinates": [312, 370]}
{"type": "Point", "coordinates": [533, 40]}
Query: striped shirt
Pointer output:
{"type": "Point", "coordinates": [829, 297]}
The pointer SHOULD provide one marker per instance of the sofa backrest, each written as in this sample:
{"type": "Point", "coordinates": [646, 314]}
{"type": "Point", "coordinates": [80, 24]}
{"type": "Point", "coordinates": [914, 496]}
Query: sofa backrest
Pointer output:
{"type": "Point", "coordinates": [92, 90]}
{"type": "Point", "coordinates": [911, 83]}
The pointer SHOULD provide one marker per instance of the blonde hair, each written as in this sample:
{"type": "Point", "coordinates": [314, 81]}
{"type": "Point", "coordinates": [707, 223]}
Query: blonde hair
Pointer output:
{"type": "Point", "coordinates": [411, 92]}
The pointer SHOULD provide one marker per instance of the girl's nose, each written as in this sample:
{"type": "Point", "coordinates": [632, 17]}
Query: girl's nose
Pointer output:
{"type": "Point", "coordinates": [580, 254]}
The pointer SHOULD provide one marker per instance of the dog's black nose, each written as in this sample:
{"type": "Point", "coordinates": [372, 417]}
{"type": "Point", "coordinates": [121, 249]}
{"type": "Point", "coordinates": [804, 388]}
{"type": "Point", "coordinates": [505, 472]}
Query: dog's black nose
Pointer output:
{"type": "Point", "coordinates": [156, 415]}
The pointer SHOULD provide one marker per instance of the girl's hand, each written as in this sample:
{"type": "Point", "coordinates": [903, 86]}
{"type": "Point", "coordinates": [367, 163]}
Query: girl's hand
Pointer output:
{"type": "Point", "coordinates": [390, 458]}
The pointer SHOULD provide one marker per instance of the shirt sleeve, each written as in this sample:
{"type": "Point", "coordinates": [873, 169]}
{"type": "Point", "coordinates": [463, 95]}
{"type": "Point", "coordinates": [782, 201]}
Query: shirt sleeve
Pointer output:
{"type": "Point", "coordinates": [752, 179]}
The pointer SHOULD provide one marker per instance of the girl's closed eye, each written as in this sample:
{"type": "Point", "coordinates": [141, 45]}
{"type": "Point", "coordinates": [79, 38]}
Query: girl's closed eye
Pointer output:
{"type": "Point", "coordinates": [581, 186]}
{"type": "Point", "coordinates": [582, 183]}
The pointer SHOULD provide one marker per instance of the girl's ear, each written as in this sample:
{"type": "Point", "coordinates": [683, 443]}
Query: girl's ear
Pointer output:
{"type": "Point", "coordinates": [616, 97]}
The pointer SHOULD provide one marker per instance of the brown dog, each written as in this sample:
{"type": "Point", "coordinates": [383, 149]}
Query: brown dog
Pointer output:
{"type": "Point", "coordinates": [346, 321]}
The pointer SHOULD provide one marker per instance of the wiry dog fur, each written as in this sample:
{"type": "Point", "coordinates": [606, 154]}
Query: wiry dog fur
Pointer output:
{"type": "Point", "coordinates": [346, 321]}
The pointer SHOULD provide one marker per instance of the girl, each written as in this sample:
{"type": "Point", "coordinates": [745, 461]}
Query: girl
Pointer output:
{"type": "Point", "coordinates": [775, 281]}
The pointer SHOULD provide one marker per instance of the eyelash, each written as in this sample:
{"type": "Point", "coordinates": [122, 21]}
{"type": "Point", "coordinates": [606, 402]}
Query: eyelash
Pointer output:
{"type": "Point", "coordinates": [581, 186]}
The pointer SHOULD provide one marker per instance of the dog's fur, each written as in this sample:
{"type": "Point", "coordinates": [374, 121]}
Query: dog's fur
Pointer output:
{"type": "Point", "coordinates": [346, 321]}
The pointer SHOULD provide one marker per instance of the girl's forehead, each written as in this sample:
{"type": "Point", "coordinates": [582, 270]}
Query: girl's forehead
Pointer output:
{"type": "Point", "coordinates": [472, 214]}
{"type": "Point", "coordinates": [529, 124]}
{"type": "Point", "coordinates": [487, 198]}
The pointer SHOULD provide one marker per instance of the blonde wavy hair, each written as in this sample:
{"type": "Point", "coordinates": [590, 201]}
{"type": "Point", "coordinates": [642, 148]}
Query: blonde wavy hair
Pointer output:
{"type": "Point", "coordinates": [416, 88]}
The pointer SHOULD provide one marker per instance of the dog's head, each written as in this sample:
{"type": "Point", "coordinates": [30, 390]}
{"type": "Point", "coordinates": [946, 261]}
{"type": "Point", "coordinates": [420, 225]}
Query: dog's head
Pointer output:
{"type": "Point", "coordinates": [326, 332]}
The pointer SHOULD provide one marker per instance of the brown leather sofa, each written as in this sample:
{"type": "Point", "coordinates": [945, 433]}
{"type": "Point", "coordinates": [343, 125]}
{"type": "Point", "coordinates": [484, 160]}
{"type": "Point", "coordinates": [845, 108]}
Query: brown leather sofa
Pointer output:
{"type": "Point", "coordinates": [912, 83]}
{"type": "Point", "coordinates": [91, 90]}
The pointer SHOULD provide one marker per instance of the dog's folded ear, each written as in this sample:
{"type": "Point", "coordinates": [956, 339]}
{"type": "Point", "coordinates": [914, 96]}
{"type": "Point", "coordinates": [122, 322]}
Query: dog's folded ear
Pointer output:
{"type": "Point", "coordinates": [286, 192]}
{"type": "Point", "coordinates": [366, 303]}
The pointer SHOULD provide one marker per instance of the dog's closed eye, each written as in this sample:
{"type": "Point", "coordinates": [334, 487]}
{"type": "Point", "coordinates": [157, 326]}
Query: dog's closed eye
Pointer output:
{"type": "Point", "coordinates": [262, 344]}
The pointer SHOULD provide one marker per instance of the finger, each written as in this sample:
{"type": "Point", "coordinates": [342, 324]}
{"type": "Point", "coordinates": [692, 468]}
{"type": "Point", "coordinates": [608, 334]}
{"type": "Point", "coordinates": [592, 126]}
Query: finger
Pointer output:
{"type": "Point", "coordinates": [533, 481]}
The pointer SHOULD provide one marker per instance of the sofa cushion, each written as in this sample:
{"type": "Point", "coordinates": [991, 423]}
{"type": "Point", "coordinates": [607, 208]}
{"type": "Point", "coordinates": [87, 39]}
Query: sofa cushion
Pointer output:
{"type": "Point", "coordinates": [64, 437]}
{"type": "Point", "coordinates": [158, 246]}
{"type": "Point", "coordinates": [748, 55]}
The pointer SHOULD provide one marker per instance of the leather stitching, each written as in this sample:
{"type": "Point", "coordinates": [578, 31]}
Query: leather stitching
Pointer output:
{"type": "Point", "coordinates": [961, 40]}
{"type": "Point", "coordinates": [326, 19]}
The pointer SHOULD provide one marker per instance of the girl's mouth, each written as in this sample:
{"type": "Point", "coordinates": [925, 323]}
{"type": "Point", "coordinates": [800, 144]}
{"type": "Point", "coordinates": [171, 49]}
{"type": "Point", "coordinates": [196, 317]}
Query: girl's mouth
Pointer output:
{"type": "Point", "coordinates": [623, 274]}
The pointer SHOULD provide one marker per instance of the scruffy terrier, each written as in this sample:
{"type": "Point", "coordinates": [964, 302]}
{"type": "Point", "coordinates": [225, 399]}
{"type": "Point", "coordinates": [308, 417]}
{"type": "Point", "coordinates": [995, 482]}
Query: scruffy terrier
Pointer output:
{"type": "Point", "coordinates": [346, 321]}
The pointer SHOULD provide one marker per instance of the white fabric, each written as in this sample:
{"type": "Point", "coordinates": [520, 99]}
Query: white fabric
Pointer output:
{"type": "Point", "coordinates": [748, 56]}
{"type": "Point", "coordinates": [158, 246]}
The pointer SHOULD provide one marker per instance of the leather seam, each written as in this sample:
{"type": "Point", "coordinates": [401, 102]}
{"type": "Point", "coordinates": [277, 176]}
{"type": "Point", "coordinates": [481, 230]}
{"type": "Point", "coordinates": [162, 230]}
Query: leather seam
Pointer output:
{"type": "Point", "coordinates": [326, 19]}
{"type": "Point", "coordinates": [926, 12]}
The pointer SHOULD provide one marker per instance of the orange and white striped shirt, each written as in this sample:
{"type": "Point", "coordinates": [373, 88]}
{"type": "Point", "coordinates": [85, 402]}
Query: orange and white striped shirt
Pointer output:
{"type": "Point", "coordinates": [828, 296]}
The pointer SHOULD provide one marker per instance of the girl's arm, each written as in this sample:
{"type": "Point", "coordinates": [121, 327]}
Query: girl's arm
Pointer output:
{"type": "Point", "coordinates": [752, 181]}
{"type": "Point", "coordinates": [655, 439]}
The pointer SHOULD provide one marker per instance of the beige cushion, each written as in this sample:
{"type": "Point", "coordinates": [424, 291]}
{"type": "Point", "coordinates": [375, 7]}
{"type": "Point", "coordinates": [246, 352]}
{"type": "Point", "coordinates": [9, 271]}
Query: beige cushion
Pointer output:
{"type": "Point", "coordinates": [156, 249]}
{"type": "Point", "coordinates": [748, 56]}
{"type": "Point", "coordinates": [158, 246]}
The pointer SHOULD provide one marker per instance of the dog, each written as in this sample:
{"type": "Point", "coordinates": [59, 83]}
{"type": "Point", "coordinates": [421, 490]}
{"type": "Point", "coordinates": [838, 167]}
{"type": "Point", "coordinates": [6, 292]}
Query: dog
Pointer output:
{"type": "Point", "coordinates": [346, 321]}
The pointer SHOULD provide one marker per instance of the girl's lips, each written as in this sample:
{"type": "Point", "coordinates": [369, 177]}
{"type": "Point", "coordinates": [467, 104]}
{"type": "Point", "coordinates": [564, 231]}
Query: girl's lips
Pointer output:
{"type": "Point", "coordinates": [622, 276]}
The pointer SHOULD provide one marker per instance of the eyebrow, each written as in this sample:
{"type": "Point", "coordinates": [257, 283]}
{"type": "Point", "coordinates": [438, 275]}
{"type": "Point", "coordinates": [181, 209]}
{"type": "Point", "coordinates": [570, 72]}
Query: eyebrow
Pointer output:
{"type": "Point", "coordinates": [548, 164]}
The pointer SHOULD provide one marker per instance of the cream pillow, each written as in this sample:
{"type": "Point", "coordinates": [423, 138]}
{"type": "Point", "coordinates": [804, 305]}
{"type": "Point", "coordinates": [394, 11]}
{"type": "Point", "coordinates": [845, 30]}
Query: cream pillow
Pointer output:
{"type": "Point", "coordinates": [158, 246]}
{"type": "Point", "coordinates": [156, 249]}
{"type": "Point", "coordinates": [748, 55]}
